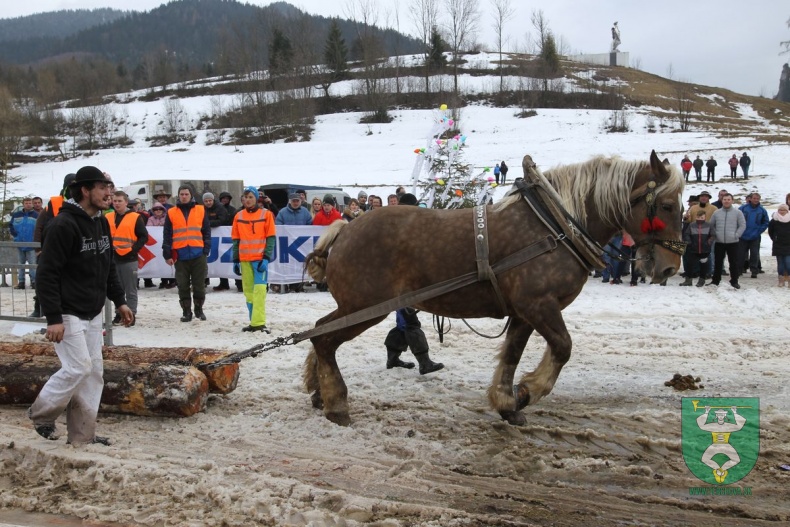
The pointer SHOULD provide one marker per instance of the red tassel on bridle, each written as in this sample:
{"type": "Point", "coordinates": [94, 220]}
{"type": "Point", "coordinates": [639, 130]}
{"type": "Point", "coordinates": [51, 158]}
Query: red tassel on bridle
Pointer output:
{"type": "Point", "coordinates": [656, 225]}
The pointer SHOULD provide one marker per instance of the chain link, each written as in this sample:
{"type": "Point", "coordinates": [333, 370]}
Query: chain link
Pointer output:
{"type": "Point", "coordinates": [235, 358]}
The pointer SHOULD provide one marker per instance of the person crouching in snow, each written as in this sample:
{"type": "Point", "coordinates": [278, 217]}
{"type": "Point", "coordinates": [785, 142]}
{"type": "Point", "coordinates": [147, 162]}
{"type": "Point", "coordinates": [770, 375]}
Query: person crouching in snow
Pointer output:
{"type": "Point", "coordinates": [253, 235]}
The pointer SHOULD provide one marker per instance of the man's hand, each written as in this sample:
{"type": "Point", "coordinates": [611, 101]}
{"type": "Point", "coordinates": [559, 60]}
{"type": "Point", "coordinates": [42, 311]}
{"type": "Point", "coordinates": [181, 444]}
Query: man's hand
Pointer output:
{"type": "Point", "coordinates": [263, 266]}
{"type": "Point", "coordinates": [127, 317]}
{"type": "Point", "coordinates": [55, 332]}
{"type": "Point", "coordinates": [169, 261]}
{"type": "Point", "coordinates": [237, 268]}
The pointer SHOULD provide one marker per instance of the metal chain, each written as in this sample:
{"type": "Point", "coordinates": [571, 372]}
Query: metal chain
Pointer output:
{"type": "Point", "coordinates": [254, 351]}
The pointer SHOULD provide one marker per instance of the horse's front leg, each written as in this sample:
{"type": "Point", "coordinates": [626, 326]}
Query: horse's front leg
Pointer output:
{"type": "Point", "coordinates": [547, 320]}
{"type": "Point", "coordinates": [332, 389]}
{"type": "Point", "coordinates": [500, 393]}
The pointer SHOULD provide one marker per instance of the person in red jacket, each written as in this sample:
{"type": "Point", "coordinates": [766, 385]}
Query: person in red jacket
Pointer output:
{"type": "Point", "coordinates": [733, 162]}
{"type": "Point", "coordinates": [686, 165]}
{"type": "Point", "coordinates": [328, 213]}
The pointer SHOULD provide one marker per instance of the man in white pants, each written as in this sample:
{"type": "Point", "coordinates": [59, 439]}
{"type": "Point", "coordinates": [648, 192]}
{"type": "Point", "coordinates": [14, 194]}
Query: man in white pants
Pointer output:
{"type": "Point", "coordinates": [75, 275]}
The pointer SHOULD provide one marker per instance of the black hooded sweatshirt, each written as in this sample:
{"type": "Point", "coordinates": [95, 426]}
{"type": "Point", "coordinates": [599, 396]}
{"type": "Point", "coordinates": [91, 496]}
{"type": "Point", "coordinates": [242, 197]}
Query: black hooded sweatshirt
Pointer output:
{"type": "Point", "coordinates": [76, 271]}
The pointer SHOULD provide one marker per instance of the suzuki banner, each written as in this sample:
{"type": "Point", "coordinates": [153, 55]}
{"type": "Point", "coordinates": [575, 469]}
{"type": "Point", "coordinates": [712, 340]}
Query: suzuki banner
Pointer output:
{"type": "Point", "coordinates": [294, 243]}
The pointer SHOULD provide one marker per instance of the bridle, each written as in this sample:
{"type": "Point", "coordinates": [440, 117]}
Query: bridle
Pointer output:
{"type": "Point", "coordinates": [652, 225]}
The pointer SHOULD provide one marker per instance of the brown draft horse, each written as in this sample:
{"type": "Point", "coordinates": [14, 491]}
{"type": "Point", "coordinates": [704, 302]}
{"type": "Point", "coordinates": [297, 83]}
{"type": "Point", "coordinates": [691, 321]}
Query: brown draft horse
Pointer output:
{"type": "Point", "coordinates": [408, 248]}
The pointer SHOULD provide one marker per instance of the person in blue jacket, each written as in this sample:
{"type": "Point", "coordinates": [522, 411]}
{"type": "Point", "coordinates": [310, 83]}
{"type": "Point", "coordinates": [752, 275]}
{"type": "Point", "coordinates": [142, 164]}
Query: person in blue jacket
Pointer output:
{"type": "Point", "coordinates": [294, 213]}
{"type": "Point", "coordinates": [756, 224]}
{"type": "Point", "coordinates": [22, 227]}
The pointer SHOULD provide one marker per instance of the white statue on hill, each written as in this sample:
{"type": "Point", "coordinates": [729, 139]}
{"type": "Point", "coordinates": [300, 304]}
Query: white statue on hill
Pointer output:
{"type": "Point", "coordinates": [615, 38]}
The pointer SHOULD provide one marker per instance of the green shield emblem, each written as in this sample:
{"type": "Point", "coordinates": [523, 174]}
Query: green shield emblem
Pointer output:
{"type": "Point", "coordinates": [720, 437]}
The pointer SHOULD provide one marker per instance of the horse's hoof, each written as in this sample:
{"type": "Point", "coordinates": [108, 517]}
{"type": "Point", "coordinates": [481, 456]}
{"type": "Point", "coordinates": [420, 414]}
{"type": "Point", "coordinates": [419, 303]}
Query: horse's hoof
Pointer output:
{"type": "Point", "coordinates": [521, 394]}
{"type": "Point", "coordinates": [339, 418]}
{"type": "Point", "coordinates": [316, 400]}
{"type": "Point", "coordinates": [513, 418]}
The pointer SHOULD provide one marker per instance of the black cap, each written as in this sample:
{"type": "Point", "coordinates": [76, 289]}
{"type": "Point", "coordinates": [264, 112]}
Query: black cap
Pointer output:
{"type": "Point", "coordinates": [328, 198]}
{"type": "Point", "coordinates": [407, 199]}
{"type": "Point", "coordinates": [89, 174]}
{"type": "Point", "coordinates": [69, 179]}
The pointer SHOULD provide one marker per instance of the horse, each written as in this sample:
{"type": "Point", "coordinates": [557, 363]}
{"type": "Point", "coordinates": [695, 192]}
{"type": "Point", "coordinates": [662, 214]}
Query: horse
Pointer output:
{"type": "Point", "coordinates": [409, 248]}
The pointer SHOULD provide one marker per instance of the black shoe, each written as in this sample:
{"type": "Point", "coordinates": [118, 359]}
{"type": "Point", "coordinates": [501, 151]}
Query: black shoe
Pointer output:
{"type": "Point", "coordinates": [220, 287]}
{"type": "Point", "coordinates": [162, 285]}
{"type": "Point", "coordinates": [170, 285]}
{"type": "Point", "coordinates": [20, 286]}
{"type": "Point", "coordinates": [754, 275]}
{"type": "Point", "coordinates": [760, 271]}
{"type": "Point", "coordinates": [429, 367]}
{"type": "Point", "coordinates": [397, 363]}
{"type": "Point", "coordinates": [147, 282]}
{"type": "Point", "coordinates": [735, 285]}
{"type": "Point", "coordinates": [262, 328]}
{"type": "Point", "coordinates": [186, 317]}
{"type": "Point", "coordinates": [117, 320]}
{"type": "Point", "coordinates": [199, 314]}
{"type": "Point", "coordinates": [642, 280]}
{"type": "Point", "coordinates": [47, 432]}
{"type": "Point", "coordinates": [35, 314]}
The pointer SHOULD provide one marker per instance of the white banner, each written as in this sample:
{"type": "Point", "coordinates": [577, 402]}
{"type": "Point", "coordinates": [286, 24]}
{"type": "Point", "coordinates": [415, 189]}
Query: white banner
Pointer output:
{"type": "Point", "coordinates": [293, 245]}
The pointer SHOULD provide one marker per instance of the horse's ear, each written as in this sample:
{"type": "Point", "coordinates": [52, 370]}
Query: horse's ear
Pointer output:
{"type": "Point", "coordinates": [659, 168]}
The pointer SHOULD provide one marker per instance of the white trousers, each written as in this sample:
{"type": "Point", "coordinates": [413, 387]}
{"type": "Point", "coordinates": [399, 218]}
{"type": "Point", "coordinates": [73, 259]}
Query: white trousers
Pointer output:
{"type": "Point", "coordinates": [77, 386]}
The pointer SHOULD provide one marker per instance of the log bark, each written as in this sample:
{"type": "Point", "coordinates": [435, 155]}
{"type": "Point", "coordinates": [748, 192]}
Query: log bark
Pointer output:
{"type": "Point", "coordinates": [168, 390]}
{"type": "Point", "coordinates": [220, 380]}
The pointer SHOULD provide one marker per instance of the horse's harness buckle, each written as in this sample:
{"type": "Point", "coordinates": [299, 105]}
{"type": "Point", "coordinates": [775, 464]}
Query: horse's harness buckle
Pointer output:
{"type": "Point", "coordinates": [484, 270]}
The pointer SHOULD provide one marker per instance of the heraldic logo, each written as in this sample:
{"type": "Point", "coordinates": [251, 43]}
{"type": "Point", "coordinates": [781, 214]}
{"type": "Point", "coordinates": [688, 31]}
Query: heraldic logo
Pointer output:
{"type": "Point", "coordinates": [720, 437]}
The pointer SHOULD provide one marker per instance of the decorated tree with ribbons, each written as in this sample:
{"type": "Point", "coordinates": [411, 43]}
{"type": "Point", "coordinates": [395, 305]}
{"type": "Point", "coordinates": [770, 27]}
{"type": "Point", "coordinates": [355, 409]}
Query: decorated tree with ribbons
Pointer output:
{"type": "Point", "coordinates": [444, 179]}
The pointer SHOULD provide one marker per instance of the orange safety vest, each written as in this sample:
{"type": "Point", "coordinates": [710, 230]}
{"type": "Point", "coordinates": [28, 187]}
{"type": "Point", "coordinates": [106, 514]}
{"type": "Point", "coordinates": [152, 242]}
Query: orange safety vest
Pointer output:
{"type": "Point", "coordinates": [252, 229]}
{"type": "Point", "coordinates": [123, 236]}
{"type": "Point", "coordinates": [187, 233]}
{"type": "Point", "coordinates": [56, 202]}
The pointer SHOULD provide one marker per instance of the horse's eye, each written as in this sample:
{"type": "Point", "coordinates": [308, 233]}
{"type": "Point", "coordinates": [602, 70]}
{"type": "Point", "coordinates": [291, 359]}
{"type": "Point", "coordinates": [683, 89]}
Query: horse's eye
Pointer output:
{"type": "Point", "coordinates": [667, 207]}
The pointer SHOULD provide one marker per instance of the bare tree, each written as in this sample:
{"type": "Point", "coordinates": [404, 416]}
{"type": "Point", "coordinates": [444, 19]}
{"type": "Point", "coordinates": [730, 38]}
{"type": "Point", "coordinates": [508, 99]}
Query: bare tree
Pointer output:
{"type": "Point", "coordinates": [546, 48]}
{"type": "Point", "coordinates": [364, 14]}
{"type": "Point", "coordinates": [503, 11]}
{"type": "Point", "coordinates": [392, 18]}
{"type": "Point", "coordinates": [461, 27]}
{"type": "Point", "coordinates": [684, 104]}
{"type": "Point", "coordinates": [425, 15]}
{"type": "Point", "coordinates": [11, 133]}
{"type": "Point", "coordinates": [786, 43]}
{"type": "Point", "coordinates": [174, 117]}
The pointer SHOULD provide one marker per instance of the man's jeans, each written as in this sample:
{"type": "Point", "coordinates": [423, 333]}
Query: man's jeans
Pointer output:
{"type": "Point", "coordinates": [27, 256]}
{"type": "Point", "coordinates": [751, 248]}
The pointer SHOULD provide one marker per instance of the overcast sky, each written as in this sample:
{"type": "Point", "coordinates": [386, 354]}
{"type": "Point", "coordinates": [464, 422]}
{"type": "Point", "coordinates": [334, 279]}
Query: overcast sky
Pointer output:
{"type": "Point", "coordinates": [728, 43]}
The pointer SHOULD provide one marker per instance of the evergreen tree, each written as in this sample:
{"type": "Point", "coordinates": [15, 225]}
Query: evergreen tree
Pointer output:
{"type": "Point", "coordinates": [446, 181]}
{"type": "Point", "coordinates": [436, 59]}
{"type": "Point", "coordinates": [336, 53]}
{"type": "Point", "coordinates": [280, 53]}
{"type": "Point", "coordinates": [549, 55]}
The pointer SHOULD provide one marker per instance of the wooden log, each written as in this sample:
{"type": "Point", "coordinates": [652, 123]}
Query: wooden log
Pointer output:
{"type": "Point", "coordinates": [220, 380]}
{"type": "Point", "coordinates": [168, 390]}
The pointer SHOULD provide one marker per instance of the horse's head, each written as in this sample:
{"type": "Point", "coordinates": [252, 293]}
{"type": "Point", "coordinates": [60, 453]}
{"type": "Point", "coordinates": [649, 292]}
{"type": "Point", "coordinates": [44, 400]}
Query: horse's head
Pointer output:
{"type": "Point", "coordinates": [655, 219]}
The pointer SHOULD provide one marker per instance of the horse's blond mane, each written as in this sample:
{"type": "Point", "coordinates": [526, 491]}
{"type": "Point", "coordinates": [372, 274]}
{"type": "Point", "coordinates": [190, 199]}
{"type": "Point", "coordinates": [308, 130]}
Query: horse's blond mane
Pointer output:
{"type": "Point", "coordinates": [608, 180]}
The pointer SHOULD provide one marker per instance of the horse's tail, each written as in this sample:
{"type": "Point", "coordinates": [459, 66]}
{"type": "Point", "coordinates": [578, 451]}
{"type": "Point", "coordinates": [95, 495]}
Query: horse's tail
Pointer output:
{"type": "Point", "coordinates": [315, 263]}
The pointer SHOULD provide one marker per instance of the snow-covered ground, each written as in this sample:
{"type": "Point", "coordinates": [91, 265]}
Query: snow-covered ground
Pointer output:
{"type": "Point", "coordinates": [602, 449]}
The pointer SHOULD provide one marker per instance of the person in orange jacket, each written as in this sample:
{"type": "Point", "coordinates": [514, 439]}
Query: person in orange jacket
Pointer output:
{"type": "Point", "coordinates": [253, 235]}
{"type": "Point", "coordinates": [186, 242]}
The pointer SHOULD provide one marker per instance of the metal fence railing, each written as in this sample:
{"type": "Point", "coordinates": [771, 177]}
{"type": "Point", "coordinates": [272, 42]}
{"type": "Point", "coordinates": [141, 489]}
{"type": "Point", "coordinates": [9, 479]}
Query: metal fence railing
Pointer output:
{"type": "Point", "coordinates": [17, 304]}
